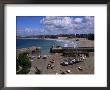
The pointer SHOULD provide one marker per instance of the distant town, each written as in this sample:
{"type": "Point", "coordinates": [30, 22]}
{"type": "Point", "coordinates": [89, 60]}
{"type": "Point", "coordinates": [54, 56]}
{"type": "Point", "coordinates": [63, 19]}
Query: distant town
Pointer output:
{"type": "Point", "coordinates": [61, 36]}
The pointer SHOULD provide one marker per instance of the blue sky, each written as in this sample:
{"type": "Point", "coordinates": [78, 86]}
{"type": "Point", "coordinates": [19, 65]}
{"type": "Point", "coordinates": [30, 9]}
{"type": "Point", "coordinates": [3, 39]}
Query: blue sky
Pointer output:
{"type": "Point", "coordinates": [42, 25]}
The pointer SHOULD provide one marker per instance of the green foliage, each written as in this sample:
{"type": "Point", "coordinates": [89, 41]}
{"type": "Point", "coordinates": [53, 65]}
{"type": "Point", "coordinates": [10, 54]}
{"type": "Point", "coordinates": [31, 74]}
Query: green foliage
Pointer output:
{"type": "Point", "coordinates": [23, 71]}
{"type": "Point", "coordinates": [23, 61]}
{"type": "Point", "coordinates": [17, 65]}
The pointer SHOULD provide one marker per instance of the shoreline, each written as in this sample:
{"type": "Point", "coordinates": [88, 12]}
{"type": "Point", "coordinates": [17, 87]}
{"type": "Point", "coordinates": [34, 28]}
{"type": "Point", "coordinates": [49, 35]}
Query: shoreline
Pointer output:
{"type": "Point", "coordinates": [82, 41]}
{"type": "Point", "coordinates": [71, 39]}
{"type": "Point", "coordinates": [44, 39]}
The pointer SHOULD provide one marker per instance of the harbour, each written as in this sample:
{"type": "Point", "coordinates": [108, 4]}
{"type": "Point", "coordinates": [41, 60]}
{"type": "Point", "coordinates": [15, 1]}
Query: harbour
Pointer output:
{"type": "Point", "coordinates": [60, 59]}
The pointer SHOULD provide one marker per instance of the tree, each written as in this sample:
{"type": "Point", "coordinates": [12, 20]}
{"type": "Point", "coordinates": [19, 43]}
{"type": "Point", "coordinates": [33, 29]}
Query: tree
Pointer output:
{"type": "Point", "coordinates": [24, 62]}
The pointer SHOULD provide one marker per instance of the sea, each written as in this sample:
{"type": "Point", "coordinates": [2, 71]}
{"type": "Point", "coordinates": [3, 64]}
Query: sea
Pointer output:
{"type": "Point", "coordinates": [45, 44]}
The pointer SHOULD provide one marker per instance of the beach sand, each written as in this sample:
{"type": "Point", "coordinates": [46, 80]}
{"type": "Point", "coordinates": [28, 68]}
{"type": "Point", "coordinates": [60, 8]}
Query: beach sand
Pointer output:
{"type": "Point", "coordinates": [84, 42]}
{"type": "Point", "coordinates": [87, 65]}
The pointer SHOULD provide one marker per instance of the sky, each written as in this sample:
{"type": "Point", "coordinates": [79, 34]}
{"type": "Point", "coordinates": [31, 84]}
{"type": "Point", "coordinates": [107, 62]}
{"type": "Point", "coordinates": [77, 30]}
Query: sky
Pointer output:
{"type": "Point", "coordinates": [53, 25]}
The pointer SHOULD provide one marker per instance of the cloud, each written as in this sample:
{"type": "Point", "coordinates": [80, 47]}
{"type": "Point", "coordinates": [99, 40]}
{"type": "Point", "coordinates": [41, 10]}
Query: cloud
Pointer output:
{"type": "Point", "coordinates": [29, 31]}
{"type": "Point", "coordinates": [64, 24]}
{"type": "Point", "coordinates": [78, 20]}
{"type": "Point", "coordinates": [57, 24]}
{"type": "Point", "coordinates": [60, 25]}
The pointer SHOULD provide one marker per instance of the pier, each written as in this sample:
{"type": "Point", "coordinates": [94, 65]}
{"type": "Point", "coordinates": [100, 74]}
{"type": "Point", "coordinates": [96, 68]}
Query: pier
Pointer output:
{"type": "Point", "coordinates": [56, 49]}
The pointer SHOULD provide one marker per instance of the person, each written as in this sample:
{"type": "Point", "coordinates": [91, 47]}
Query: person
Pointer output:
{"type": "Point", "coordinates": [38, 71]}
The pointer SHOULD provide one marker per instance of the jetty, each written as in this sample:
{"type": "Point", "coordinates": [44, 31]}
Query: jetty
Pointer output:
{"type": "Point", "coordinates": [56, 49]}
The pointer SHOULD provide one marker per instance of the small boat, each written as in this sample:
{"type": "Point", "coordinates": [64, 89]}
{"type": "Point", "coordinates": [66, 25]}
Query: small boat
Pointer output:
{"type": "Point", "coordinates": [80, 68]}
{"type": "Point", "coordinates": [45, 56]}
{"type": "Point", "coordinates": [39, 57]}
{"type": "Point", "coordinates": [64, 63]}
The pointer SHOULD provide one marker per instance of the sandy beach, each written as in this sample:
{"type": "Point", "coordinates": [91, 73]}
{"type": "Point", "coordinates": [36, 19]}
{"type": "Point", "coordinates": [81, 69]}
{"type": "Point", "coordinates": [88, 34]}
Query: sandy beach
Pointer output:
{"type": "Point", "coordinates": [87, 65]}
{"type": "Point", "coordinates": [84, 42]}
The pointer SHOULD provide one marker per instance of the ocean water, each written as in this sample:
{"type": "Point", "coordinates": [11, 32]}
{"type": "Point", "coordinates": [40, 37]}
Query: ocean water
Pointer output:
{"type": "Point", "coordinates": [44, 44]}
